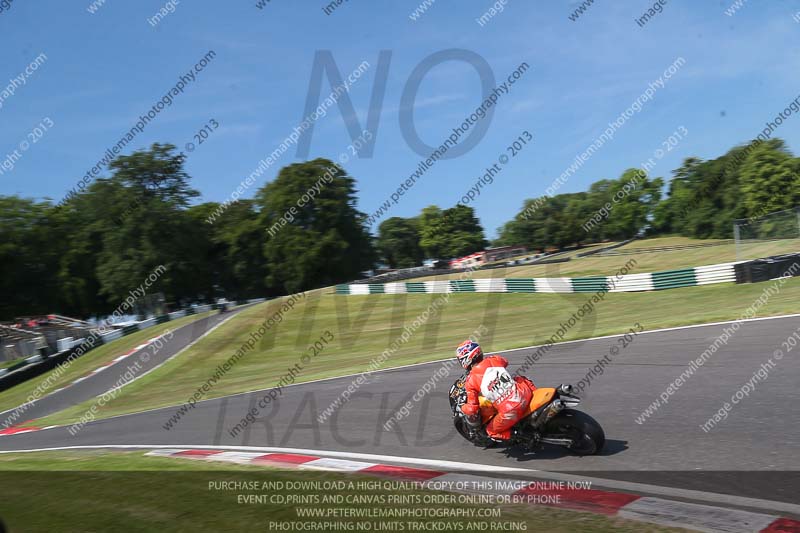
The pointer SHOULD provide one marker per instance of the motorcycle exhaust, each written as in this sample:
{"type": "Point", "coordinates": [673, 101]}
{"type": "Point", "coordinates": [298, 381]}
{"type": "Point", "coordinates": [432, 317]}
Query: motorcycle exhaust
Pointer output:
{"type": "Point", "coordinates": [556, 407]}
{"type": "Point", "coordinates": [568, 398]}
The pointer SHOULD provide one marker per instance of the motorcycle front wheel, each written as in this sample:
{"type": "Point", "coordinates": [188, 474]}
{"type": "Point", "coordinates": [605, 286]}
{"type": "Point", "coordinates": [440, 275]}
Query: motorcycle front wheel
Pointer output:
{"type": "Point", "coordinates": [461, 427]}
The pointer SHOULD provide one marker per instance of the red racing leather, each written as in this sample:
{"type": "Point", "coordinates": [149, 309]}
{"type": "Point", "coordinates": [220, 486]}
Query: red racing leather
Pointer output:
{"type": "Point", "coordinates": [510, 396]}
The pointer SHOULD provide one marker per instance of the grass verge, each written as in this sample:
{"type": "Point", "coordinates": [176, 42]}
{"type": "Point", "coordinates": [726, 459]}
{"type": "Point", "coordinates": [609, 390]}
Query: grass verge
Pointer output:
{"type": "Point", "coordinates": [126, 491]}
{"type": "Point", "coordinates": [10, 362]}
{"type": "Point", "coordinates": [364, 326]}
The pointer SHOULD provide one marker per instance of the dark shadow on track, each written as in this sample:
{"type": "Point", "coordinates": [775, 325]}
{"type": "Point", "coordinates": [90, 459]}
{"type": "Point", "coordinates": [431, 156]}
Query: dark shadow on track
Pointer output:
{"type": "Point", "coordinates": [549, 451]}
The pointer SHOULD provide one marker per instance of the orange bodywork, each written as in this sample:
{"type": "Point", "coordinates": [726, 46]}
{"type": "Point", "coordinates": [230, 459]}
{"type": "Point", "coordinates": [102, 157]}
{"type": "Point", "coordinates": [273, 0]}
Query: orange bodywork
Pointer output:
{"type": "Point", "coordinates": [540, 397]}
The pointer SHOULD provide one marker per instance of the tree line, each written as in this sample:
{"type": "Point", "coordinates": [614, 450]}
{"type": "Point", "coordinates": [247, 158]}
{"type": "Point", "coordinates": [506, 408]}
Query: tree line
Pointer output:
{"type": "Point", "coordinates": [702, 200]}
{"type": "Point", "coordinates": [83, 256]}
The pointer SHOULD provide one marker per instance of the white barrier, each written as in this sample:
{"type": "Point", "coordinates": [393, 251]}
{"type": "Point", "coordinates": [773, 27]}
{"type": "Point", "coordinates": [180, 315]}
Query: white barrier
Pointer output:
{"type": "Point", "coordinates": [648, 281]}
{"type": "Point", "coordinates": [111, 336]}
{"type": "Point", "coordinates": [147, 323]}
{"type": "Point", "coordinates": [64, 344]}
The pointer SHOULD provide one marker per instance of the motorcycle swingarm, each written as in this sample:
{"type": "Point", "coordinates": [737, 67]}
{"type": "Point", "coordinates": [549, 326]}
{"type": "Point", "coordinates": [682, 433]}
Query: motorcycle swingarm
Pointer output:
{"type": "Point", "coordinates": [557, 441]}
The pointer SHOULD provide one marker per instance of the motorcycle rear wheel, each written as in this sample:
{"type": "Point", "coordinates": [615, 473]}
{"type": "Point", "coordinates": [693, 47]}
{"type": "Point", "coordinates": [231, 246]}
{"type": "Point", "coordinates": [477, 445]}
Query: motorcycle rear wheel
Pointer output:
{"type": "Point", "coordinates": [588, 437]}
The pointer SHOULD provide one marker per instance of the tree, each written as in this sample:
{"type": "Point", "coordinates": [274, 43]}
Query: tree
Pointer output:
{"type": "Point", "coordinates": [399, 242]}
{"type": "Point", "coordinates": [82, 221]}
{"type": "Point", "coordinates": [463, 231]}
{"type": "Point", "coordinates": [157, 173]}
{"type": "Point", "coordinates": [146, 198]}
{"type": "Point", "coordinates": [704, 200]}
{"type": "Point", "coordinates": [611, 209]}
{"type": "Point", "coordinates": [450, 233]}
{"type": "Point", "coordinates": [770, 179]}
{"type": "Point", "coordinates": [633, 198]}
{"type": "Point", "coordinates": [431, 232]}
{"type": "Point", "coordinates": [235, 255]}
{"type": "Point", "coordinates": [304, 230]}
{"type": "Point", "coordinates": [668, 215]}
{"type": "Point", "coordinates": [315, 234]}
{"type": "Point", "coordinates": [549, 222]}
{"type": "Point", "coordinates": [705, 197]}
{"type": "Point", "coordinates": [28, 257]}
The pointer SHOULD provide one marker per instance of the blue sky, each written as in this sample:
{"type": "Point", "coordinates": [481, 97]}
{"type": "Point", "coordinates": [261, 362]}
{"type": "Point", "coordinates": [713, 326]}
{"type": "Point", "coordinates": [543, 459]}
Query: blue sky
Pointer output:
{"type": "Point", "coordinates": [105, 69]}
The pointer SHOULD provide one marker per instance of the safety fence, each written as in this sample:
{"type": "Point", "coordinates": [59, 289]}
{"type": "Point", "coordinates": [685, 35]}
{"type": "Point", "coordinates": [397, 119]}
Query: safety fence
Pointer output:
{"type": "Point", "coordinates": [667, 279]}
{"type": "Point", "coordinates": [119, 332]}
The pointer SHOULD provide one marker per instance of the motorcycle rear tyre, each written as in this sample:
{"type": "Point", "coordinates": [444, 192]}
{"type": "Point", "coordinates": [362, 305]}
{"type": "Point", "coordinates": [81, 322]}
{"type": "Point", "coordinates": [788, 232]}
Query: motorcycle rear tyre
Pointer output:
{"type": "Point", "coordinates": [589, 436]}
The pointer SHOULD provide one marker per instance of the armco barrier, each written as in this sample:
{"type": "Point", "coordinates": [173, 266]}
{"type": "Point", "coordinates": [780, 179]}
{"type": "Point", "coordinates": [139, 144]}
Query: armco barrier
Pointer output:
{"type": "Point", "coordinates": [25, 371]}
{"type": "Point", "coordinates": [770, 268]}
{"type": "Point", "coordinates": [667, 279]}
{"type": "Point", "coordinates": [30, 371]}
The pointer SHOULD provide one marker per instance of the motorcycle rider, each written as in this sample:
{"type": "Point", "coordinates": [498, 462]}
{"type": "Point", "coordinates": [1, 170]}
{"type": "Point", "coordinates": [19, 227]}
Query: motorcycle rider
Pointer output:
{"type": "Point", "coordinates": [488, 377]}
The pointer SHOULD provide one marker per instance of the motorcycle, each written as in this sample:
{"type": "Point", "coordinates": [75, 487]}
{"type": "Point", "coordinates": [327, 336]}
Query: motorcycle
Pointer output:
{"type": "Point", "coordinates": [550, 419]}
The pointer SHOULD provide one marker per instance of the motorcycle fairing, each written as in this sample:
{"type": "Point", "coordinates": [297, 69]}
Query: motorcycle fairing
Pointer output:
{"type": "Point", "coordinates": [541, 397]}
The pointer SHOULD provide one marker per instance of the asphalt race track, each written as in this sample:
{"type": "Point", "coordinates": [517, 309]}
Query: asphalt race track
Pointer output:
{"type": "Point", "coordinates": [752, 453]}
{"type": "Point", "coordinates": [101, 382]}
